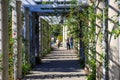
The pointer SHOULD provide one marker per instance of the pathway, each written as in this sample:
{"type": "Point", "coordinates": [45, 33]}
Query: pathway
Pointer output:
{"type": "Point", "coordinates": [61, 64]}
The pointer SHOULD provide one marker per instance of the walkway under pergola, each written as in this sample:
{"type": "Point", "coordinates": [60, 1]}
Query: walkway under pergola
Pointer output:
{"type": "Point", "coordinates": [25, 34]}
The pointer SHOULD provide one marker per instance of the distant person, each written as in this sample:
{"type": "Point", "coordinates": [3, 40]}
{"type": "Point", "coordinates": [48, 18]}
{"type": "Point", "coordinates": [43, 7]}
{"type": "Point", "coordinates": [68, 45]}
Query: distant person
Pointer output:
{"type": "Point", "coordinates": [71, 42]}
{"type": "Point", "coordinates": [68, 44]}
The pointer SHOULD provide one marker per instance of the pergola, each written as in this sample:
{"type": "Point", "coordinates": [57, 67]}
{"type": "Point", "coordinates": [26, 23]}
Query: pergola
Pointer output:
{"type": "Point", "coordinates": [52, 11]}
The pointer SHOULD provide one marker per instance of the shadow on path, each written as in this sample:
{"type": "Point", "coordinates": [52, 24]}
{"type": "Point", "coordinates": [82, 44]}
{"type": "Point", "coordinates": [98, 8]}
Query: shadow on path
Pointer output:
{"type": "Point", "coordinates": [59, 64]}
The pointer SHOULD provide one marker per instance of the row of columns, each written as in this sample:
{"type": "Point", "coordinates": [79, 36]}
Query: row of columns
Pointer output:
{"type": "Point", "coordinates": [37, 30]}
{"type": "Point", "coordinates": [33, 39]}
{"type": "Point", "coordinates": [16, 30]}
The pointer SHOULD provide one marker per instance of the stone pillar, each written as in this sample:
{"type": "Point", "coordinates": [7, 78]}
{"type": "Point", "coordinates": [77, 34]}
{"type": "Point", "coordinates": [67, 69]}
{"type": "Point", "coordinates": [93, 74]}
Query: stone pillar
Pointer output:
{"type": "Point", "coordinates": [37, 35]}
{"type": "Point", "coordinates": [65, 28]}
{"type": "Point", "coordinates": [42, 28]}
{"type": "Point", "coordinates": [33, 40]}
{"type": "Point", "coordinates": [113, 13]}
{"type": "Point", "coordinates": [40, 38]}
{"type": "Point", "coordinates": [37, 56]}
{"type": "Point", "coordinates": [99, 51]}
{"type": "Point", "coordinates": [14, 36]}
{"type": "Point", "coordinates": [19, 42]}
{"type": "Point", "coordinates": [27, 25]}
{"type": "Point", "coordinates": [63, 36]}
{"type": "Point", "coordinates": [5, 41]}
{"type": "Point", "coordinates": [0, 31]}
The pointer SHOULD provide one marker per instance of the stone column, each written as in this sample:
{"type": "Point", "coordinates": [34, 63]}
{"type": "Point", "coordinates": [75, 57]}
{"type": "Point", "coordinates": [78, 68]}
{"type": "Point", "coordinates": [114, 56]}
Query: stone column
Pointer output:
{"type": "Point", "coordinates": [27, 25]}
{"type": "Point", "coordinates": [40, 38]}
{"type": "Point", "coordinates": [37, 56]}
{"type": "Point", "coordinates": [65, 28]}
{"type": "Point", "coordinates": [0, 31]}
{"type": "Point", "coordinates": [33, 40]}
{"type": "Point", "coordinates": [42, 46]}
{"type": "Point", "coordinates": [37, 35]}
{"type": "Point", "coordinates": [5, 41]}
{"type": "Point", "coordinates": [113, 13]}
{"type": "Point", "coordinates": [19, 42]}
{"type": "Point", "coordinates": [14, 36]}
{"type": "Point", "coordinates": [63, 36]}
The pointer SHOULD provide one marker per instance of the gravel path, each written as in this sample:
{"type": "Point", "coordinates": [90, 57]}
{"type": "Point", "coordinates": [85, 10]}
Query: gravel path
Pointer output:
{"type": "Point", "coordinates": [61, 64]}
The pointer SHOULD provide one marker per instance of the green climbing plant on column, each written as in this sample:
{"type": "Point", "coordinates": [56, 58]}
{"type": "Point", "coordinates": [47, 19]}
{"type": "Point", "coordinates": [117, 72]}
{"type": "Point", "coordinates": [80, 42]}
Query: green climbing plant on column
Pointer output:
{"type": "Point", "coordinates": [11, 70]}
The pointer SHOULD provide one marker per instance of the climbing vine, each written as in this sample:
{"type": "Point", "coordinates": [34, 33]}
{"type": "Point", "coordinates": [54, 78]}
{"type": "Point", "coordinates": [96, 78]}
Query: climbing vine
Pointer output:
{"type": "Point", "coordinates": [11, 68]}
{"type": "Point", "coordinates": [45, 37]}
{"type": "Point", "coordinates": [87, 17]}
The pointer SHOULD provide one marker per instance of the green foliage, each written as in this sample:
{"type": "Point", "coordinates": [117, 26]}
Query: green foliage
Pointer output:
{"type": "Point", "coordinates": [87, 17]}
{"type": "Point", "coordinates": [60, 38]}
{"type": "Point", "coordinates": [26, 68]}
{"type": "Point", "coordinates": [89, 34]}
{"type": "Point", "coordinates": [45, 37]}
{"type": "Point", "coordinates": [56, 30]}
{"type": "Point", "coordinates": [115, 32]}
{"type": "Point", "coordinates": [11, 60]}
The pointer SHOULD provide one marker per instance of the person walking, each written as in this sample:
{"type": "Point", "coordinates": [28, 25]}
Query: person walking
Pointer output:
{"type": "Point", "coordinates": [68, 44]}
{"type": "Point", "coordinates": [71, 42]}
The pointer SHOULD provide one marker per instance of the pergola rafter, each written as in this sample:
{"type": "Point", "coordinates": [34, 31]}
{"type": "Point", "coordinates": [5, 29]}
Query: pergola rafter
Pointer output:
{"type": "Point", "coordinates": [49, 8]}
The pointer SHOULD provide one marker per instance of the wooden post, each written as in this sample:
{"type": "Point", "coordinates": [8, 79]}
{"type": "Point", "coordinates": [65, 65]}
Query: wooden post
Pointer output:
{"type": "Point", "coordinates": [5, 41]}
{"type": "Point", "coordinates": [19, 42]}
